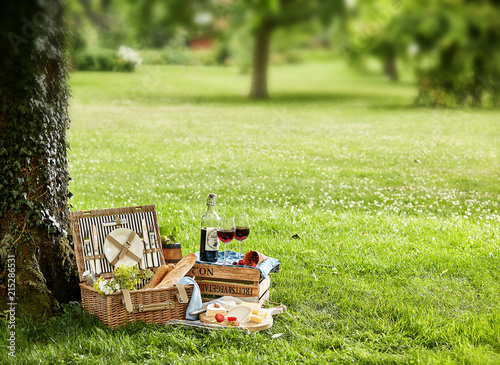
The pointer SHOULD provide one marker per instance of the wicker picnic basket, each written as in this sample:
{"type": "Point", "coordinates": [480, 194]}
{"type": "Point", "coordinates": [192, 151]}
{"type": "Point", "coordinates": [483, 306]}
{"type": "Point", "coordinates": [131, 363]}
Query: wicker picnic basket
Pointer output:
{"type": "Point", "coordinates": [148, 305]}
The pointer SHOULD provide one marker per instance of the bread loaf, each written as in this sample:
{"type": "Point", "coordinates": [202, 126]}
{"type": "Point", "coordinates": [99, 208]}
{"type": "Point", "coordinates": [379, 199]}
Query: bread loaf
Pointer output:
{"type": "Point", "coordinates": [159, 275]}
{"type": "Point", "coordinates": [181, 269]}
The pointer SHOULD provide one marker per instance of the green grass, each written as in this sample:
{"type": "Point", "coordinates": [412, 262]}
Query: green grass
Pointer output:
{"type": "Point", "coordinates": [397, 208]}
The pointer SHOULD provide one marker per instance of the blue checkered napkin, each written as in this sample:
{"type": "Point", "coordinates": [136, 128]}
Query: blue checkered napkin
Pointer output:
{"type": "Point", "coordinates": [265, 267]}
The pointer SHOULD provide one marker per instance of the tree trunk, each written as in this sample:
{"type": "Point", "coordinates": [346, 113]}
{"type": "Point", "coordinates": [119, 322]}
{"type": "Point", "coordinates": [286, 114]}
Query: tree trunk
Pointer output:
{"type": "Point", "coordinates": [37, 264]}
{"type": "Point", "coordinates": [390, 66]}
{"type": "Point", "coordinates": [260, 62]}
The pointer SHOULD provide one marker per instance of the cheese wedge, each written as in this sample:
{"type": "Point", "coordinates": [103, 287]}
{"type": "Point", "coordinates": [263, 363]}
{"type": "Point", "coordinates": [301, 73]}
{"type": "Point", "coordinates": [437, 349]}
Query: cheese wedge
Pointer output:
{"type": "Point", "coordinates": [212, 313]}
{"type": "Point", "coordinates": [255, 318]}
{"type": "Point", "coordinates": [212, 310]}
{"type": "Point", "coordinates": [260, 312]}
{"type": "Point", "coordinates": [263, 313]}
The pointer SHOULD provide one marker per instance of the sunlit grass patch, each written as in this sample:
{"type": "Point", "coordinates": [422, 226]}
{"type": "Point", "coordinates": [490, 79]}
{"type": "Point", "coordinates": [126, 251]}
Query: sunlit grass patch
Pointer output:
{"type": "Point", "coordinates": [397, 210]}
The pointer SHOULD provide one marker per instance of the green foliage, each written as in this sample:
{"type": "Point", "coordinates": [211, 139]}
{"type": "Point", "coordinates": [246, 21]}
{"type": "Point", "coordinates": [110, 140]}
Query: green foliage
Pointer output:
{"type": "Point", "coordinates": [125, 277]}
{"type": "Point", "coordinates": [157, 23]}
{"type": "Point", "coordinates": [169, 236]}
{"type": "Point", "coordinates": [128, 277]}
{"type": "Point", "coordinates": [240, 46]}
{"type": "Point", "coordinates": [177, 52]}
{"type": "Point", "coordinates": [458, 59]}
{"type": "Point", "coordinates": [98, 25]}
{"type": "Point", "coordinates": [285, 13]}
{"type": "Point", "coordinates": [452, 45]}
{"type": "Point", "coordinates": [96, 60]}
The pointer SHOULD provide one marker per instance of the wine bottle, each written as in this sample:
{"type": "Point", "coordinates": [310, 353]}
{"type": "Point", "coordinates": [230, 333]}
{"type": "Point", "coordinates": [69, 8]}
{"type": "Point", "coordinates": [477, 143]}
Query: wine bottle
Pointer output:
{"type": "Point", "coordinates": [209, 243]}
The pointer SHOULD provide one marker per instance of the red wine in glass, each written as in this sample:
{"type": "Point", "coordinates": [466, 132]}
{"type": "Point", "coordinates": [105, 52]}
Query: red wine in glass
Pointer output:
{"type": "Point", "coordinates": [226, 236]}
{"type": "Point", "coordinates": [225, 232]}
{"type": "Point", "coordinates": [242, 229]}
{"type": "Point", "coordinates": [241, 233]}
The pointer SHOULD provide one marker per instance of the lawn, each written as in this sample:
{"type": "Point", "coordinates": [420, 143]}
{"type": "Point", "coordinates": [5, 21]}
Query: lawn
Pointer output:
{"type": "Point", "coordinates": [397, 208]}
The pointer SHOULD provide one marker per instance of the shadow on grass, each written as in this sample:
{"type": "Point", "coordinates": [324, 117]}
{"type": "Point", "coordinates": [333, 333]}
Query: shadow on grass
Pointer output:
{"type": "Point", "coordinates": [365, 100]}
{"type": "Point", "coordinates": [370, 100]}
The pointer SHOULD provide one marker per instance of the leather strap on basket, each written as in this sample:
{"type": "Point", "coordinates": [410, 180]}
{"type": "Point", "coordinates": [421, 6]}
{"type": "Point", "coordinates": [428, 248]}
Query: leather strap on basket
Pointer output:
{"type": "Point", "coordinates": [124, 248]}
{"type": "Point", "coordinates": [182, 297]}
{"type": "Point", "coordinates": [144, 308]}
{"type": "Point", "coordinates": [127, 300]}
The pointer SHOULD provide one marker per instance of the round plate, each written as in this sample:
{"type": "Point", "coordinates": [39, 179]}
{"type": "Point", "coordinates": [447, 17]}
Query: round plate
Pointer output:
{"type": "Point", "coordinates": [121, 235]}
{"type": "Point", "coordinates": [251, 326]}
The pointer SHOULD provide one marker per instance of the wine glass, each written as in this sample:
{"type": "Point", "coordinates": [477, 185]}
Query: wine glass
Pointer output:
{"type": "Point", "coordinates": [242, 229]}
{"type": "Point", "coordinates": [225, 232]}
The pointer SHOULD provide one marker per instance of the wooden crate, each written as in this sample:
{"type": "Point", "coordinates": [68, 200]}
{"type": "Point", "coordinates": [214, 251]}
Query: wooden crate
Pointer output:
{"type": "Point", "coordinates": [148, 305]}
{"type": "Point", "coordinates": [217, 280]}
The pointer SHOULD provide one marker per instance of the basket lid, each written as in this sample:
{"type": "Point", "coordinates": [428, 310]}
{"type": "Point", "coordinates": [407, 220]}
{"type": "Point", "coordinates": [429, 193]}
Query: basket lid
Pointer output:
{"type": "Point", "coordinates": [91, 228]}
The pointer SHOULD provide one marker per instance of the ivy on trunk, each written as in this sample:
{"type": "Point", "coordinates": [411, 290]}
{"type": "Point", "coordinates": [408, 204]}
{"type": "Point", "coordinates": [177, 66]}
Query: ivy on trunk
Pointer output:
{"type": "Point", "coordinates": [34, 177]}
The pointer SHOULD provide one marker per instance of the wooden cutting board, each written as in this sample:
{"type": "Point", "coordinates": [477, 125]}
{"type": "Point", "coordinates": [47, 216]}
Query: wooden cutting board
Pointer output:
{"type": "Point", "coordinates": [251, 326]}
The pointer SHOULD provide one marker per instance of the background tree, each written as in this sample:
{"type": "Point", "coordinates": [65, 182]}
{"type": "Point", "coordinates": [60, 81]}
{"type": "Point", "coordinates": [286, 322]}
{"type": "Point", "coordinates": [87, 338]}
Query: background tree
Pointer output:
{"type": "Point", "coordinates": [157, 22]}
{"type": "Point", "coordinates": [265, 16]}
{"type": "Point", "coordinates": [457, 50]}
{"type": "Point", "coordinates": [260, 17]}
{"type": "Point", "coordinates": [453, 46]}
{"type": "Point", "coordinates": [372, 31]}
{"type": "Point", "coordinates": [34, 177]}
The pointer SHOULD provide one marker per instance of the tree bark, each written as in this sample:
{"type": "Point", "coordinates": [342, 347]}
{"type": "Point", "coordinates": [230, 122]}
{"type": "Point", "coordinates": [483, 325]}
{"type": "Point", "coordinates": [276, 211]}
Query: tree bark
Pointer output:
{"type": "Point", "coordinates": [34, 212]}
{"type": "Point", "coordinates": [390, 66]}
{"type": "Point", "coordinates": [261, 62]}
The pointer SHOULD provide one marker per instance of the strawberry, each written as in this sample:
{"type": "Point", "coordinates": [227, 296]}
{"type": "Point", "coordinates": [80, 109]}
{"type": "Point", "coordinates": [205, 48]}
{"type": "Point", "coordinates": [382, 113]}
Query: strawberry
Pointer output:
{"type": "Point", "coordinates": [219, 317]}
{"type": "Point", "coordinates": [241, 262]}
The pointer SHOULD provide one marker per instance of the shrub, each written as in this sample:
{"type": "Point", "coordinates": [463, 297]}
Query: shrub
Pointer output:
{"type": "Point", "coordinates": [178, 56]}
{"type": "Point", "coordinates": [102, 59]}
{"type": "Point", "coordinates": [96, 59]}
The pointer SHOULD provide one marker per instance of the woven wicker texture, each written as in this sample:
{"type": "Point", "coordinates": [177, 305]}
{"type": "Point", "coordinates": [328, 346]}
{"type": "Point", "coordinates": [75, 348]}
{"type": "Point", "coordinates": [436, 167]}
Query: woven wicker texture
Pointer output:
{"type": "Point", "coordinates": [110, 309]}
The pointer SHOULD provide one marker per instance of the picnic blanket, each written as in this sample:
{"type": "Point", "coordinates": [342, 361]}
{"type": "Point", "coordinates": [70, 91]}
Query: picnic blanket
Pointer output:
{"type": "Point", "coordinates": [265, 267]}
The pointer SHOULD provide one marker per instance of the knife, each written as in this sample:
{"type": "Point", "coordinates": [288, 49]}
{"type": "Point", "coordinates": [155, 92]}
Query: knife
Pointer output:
{"type": "Point", "coordinates": [143, 256]}
{"type": "Point", "coordinates": [146, 239]}
{"type": "Point", "coordinates": [152, 241]}
{"type": "Point", "coordinates": [115, 223]}
{"type": "Point", "coordinates": [97, 262]}
{"type": "Point", "coordinates": [86, 250]}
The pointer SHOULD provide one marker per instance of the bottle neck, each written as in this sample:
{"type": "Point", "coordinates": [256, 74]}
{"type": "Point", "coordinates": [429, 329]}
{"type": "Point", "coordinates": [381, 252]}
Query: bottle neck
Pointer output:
{"type": "Point", "coordinates": [210, 208]}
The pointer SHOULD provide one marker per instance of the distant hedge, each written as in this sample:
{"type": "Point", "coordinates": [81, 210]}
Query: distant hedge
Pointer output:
{"type": "Point", "coordinates": [103, 59]}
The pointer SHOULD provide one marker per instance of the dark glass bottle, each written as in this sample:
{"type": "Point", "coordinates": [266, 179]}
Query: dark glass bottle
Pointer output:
{"type": "Point", "coordinates": [209, 243]}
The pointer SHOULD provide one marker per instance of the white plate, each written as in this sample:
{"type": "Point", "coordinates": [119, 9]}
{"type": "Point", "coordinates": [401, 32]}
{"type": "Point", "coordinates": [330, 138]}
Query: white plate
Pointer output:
{"type": "Point", "coordinates": [121, 235]}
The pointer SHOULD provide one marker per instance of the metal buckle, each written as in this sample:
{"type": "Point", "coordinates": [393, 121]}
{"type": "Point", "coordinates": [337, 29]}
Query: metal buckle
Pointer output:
{"type": "Point", "coordinates": [179, 298]}
{"type": "Point", "coordinates": [169, 305]}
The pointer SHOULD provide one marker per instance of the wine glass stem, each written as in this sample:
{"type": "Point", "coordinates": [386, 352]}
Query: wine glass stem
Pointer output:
{"type": "Point", "coordinates": [225, 252]}
{"type": "Point", "coordinates": [239, 247]}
